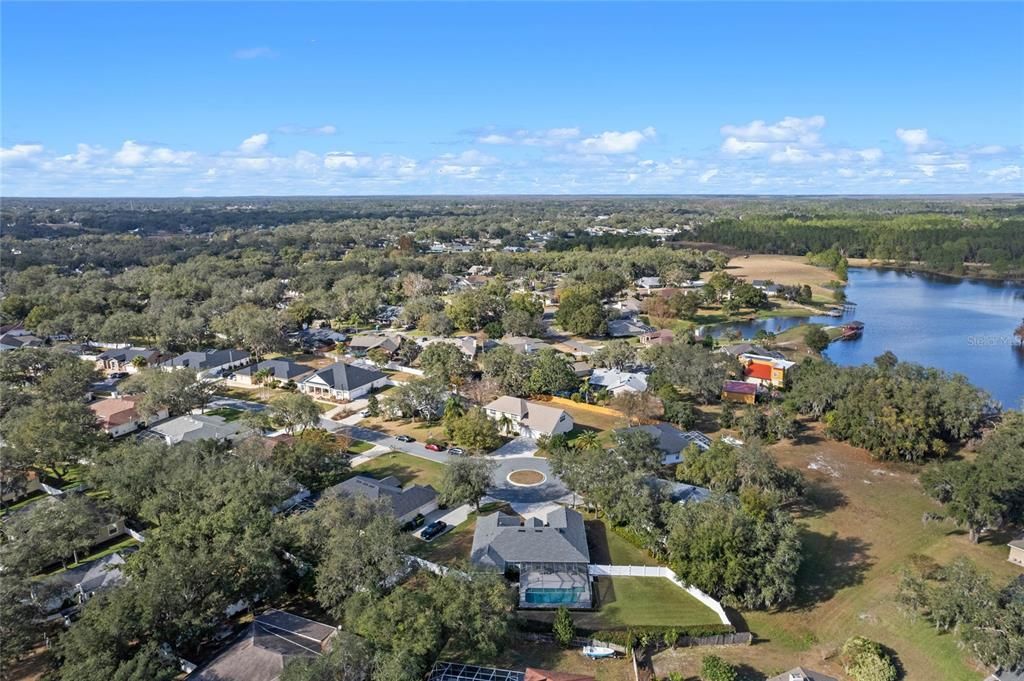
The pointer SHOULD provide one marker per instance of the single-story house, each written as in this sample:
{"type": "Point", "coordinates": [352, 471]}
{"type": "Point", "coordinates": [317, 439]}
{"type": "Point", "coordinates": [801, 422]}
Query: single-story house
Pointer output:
{"type": "Point", "coordinates": [582, 369]}
{"type": "Point", "coordinates": [656, 338]}
{"type": "Point", "coordinates": [261, 652]}
{"type": "Point", "coordinates": [123, 359]}
{"type": "Point", "coordinates": [467, 345]}
{"type": "Point", "coordinates": [282, 370]}
{"type": "Point", "coordinates": [578, 349]}
{"type": "Point", "coordinates": [14, 341]}
{"type": "Point", "coordinates": [344, 382]}
{"type": "Point", "coordinates": [672, 442]}
{"type": "Point", "coordinates": [549, 553]}
{"type": "Point", "coordinates": [516, 416]}
{"type": "Point", "coordinates": [617, 382]}
{"type": "Point", "coordinates": [622, 327]}
{"type": "Point", "coordinates": [319, 339]}
{"type": "Point", "coordinates": [209, 362]}
{"type": "Point", "coordinates": [648, 283]}
{"type": "Point", "coordinates": [769, 288]}
{"type": "Point", "coordinates": [365, 342]}
{"type": "Point", "coordinates": [81, 583]}
{"type": "Point", "coordinates": [679, 492]}
{"type": "Point", "coordinates": [523, 344]}
{"type": "Point", "coordinates": [765, 369]}
{"type": "Point", "coordinates": [628, 306]}
{"type": "Point", "coordinates": [737, 349]}
{"type": "Point", "coordinates": [119, 415]}
{"type": "Point", "coordinates": [1017, 552]}
{"type": "Point", "coordinates": [739, 391]}
{"type": "Point", "coordinates": [405, 503]}
{"type": "Point", "coordinates": [105, 525]}
{"type": "Point", "coordinates": [801, 674]}
{"type": "Point", "coordinates": [195, 427]}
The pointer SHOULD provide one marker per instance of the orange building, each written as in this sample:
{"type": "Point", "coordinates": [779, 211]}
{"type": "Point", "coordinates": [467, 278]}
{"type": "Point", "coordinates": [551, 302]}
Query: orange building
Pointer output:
{"type": "Point", "coordinates": [766, 370]}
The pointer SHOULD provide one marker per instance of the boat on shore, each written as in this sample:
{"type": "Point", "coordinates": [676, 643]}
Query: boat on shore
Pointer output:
{"type": "Point", "coordinates": [597, 652]}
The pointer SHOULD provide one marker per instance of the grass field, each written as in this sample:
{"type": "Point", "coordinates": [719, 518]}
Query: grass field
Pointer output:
{"type": "Point", "coordinates": [358, 447]}
{"type": "Point", "coordinates": [407, 468]}
{"type": "Point", "coordinates": [636, 601]}
{"type": "Point", "coordinates": [864, 526]}
{"type": "Point", "coordinates": [421, 431]}
{"type": "Point", "coordinates": [609, 548]}
{"type": "Point", "coordinates": [782, 269]}
{"type": "Point", "coordinates": [226, 413]}
{"type": "Point", "coordinates": [590, 416]}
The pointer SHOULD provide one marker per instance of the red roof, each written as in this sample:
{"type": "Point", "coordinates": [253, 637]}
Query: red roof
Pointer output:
{"type": "Point", "coordinates": [758, 370]}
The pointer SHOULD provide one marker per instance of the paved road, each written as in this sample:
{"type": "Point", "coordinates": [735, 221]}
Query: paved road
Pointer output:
{"type": "Point", "coordinates": [550, 490]}
{"type": "Point", "coordinates": [378, 438]}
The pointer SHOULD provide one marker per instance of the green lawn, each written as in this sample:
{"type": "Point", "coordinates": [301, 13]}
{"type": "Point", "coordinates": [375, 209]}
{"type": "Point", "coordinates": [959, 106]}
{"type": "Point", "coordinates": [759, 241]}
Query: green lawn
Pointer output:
{"type": "Point", "coordinates": [405, 467]}
{"type": "Point", "coordinates": [607, 547]}
{"type": "Point", "coordinates": [226, 413]}
{"type": "Point", "coordinates": [358, 447]}
{"type": "Point", "coordinates": [105, 550]}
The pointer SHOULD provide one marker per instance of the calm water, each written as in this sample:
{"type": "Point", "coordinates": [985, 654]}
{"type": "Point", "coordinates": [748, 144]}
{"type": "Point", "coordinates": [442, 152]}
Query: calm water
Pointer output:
{"type": "Point", "coordinates": [955, 325]}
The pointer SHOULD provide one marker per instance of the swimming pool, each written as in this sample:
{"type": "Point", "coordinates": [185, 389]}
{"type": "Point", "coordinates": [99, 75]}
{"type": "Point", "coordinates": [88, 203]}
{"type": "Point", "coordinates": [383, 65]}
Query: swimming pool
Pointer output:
{"type": "Point", "coordinates": [552, 596]}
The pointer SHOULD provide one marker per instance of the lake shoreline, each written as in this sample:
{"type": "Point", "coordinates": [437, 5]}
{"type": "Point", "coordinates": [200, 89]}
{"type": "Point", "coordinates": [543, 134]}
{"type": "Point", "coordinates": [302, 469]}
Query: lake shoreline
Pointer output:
{"type": "Point", "coordinates": [919, 268]}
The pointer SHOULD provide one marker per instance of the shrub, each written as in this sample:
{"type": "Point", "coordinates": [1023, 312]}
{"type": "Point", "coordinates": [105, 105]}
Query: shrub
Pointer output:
{"type": "Point", "coordinates": [563, 628]}
{"type": "Point", "coordinates": [714, 668]}
{"type": "Point", "coordinates": [866, 660]}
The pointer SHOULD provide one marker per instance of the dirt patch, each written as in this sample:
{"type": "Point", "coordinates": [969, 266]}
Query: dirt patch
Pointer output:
{"type": "Point", "coordinates": [526, 477]}
{"type": "Point", "coordinates": [782, 269]}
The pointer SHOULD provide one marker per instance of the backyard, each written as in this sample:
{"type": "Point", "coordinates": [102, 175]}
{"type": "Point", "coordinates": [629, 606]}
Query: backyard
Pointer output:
{"type": "Point", "coordinates": [863, 527]}
{"type": "Point", "coordinates": [407, 468]}
{"type": "Point", "coordinates": [608, 547]}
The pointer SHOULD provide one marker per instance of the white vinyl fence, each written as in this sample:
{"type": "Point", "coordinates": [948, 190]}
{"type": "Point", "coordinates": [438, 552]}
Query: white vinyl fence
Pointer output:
{"type": "Point", "coordinates": [656, 571]}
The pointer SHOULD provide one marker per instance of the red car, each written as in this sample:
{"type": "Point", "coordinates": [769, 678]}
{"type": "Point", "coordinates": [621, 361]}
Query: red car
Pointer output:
{"type": "Point", "coordinates": [434, 448]}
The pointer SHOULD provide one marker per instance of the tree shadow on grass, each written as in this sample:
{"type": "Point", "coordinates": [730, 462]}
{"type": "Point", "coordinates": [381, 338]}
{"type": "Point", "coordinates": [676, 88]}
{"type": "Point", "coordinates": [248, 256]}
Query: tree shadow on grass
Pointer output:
{"type": "Point", "coordinates": [820, 497]}
{"type": "Point", "coordinates": [597, 542]}
{"type": "Point", "coordinates": [744, 672]}
{"type": "Point", "coordinates": [831, 563]}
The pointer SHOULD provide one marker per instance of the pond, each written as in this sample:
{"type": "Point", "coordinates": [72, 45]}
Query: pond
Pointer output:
{"type": "Point", "coordinates": [957, 325]}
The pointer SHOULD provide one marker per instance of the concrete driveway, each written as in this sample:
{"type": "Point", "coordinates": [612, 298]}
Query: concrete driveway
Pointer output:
{"type": "Point", "coordinates": [520, 446]}
{"type": "Point", "coordinates": [452, 516]}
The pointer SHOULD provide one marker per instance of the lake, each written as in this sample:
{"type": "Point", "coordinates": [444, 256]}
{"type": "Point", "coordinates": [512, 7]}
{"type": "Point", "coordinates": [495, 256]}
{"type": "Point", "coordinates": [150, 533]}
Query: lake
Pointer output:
{"type": "Point", "coordinates": [956, 325]}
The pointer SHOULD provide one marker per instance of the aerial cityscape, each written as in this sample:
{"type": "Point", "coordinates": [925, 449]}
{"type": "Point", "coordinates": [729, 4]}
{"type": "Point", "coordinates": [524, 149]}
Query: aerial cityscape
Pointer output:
{"type": "Point", "coordinates": [511, 341]}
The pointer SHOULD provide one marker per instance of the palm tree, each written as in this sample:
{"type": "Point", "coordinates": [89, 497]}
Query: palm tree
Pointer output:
{"type": "Point", "coordinates": [261, 377]}
{"type": "Point", "coordinates": [506, 424]}
{"type": "Point", "coordinates": [587, 440]}
{"type": "Point", "coordinates": [586, 390]}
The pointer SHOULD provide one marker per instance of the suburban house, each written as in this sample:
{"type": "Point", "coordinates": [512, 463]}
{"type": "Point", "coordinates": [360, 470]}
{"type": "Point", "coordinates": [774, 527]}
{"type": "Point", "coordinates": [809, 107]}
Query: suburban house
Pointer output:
{"type": "Point", "coordinates": [629, 306]}
{"type": "Point", "coordinates": [523, 344]}
{"type": "Point", "coordinates": [124, 359]}
{"type": "Point", "coordinates": [672, 442]}
{"type": "Point", "coordinates": [266, 645]}
{"type": "Point", "coordinates": [282, 370]}
{"type": "Point", "coordinates": [405, 503]}
{"type": "Point", "coordinates": [801, 674]}
{"type": "Point", "coordinates": [738, 349]}
{"type": "Point", "coordinates": [14, 341]}
{"type": "Point", "coordinates": [209, 362]}
{"type": "Point", "coordinates": [106, 525]}
{"type": "Point", "coordinates": [765, 370]}
{"type": "Point", "coordinates": [576, 348]}
{"type": "Point", "coordinates": [1017, 551]}
{"type": "Point", "coordinates": [516, 416]}
{"type": "Point", "coordinates": [343, 382]}
{"type": "Point", "coordinates": [769, 288]}
{"type": "Point", "coordinates": [319, 339]}
{"type": "Point", "coordinates": [79, 584]}
{"type": "Point", "coordinates": [550, 554]}
{"type": "Point", "coordinates": [195, 427]}
{"type": "Point", "coordinates": [362, 344]}
{"type": "Point", "coordinates": [739, 391]}
{"type": "Point", "coordinates": [648, 283]}
{"type": "Point", "coordinates": [467, 345]}
{"type": "Point", "coordinates": [119, 415]}
{"type": "Point", "coordinates": [617, 382]}
{"type": "Point", "coordinates": [656, 338]}
{"type": "Point", "coordinates": [679, 492]}
{"type": "Point", "coordinates": [622, 327]}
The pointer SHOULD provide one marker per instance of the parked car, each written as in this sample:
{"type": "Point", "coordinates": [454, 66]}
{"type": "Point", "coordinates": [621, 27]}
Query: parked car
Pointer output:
{"type": "Point", "coordinates": [434, 447]}
{"type": "Point", "coordinates": [405, 438]}
{"type": "Point", "coordinates": [414, 523]}
{"type": "Point", "coordinates": [456, 451]}
{"type": "Point", "coordinates": [433, 529]}
{"type": "Point", "coordinates": [117, 375]}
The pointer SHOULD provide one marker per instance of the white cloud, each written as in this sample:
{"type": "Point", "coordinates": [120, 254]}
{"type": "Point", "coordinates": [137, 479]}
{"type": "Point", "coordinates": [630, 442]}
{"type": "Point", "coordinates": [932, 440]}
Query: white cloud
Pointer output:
{"type": "Point", "coordinates": [614, 142]}
{"type": "Point", "coordinates": [1005, 174]}
{"type": "Point", "coordinates": [254, 53]}
{"type": "Point", "coordinates": [131, 154]}
{"type": "Point", "coordinates": [325, 130]}
{"type": "Point", "coordinates": [872, 155]}
{"type": "Point", "coordinates": [306, 130]}
{"type": "Point", "coordinates": [20, 152]}
{"type": "Point", "coordinates": [913, 138]}
{"type": "Point", "coordinates": [706, 176]}
{"type": "Point", "coordinates": [550, 137]}
{"type": "Point", "coordinates": [254, 144]}
{"type": "Point", "coordinates": [789, 129]}
{"type": "Point", "coordinates": [989, 150]}
{"type": "Point", "coordinates": [344, 159]}
{"type": "Point", "coordinates": [495, 138]}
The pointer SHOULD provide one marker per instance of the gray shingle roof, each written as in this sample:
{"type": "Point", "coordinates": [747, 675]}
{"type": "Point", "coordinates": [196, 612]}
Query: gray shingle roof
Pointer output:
{"type": "Point", "coordinates": [342, 376]}
{"type": "Point", "coordinates": [402, 501]}
{"type": "Point", "coordinates": [207, 359]}
{"type": "Point", "coordinates": [282, 369]}
{"type": "Point", "coordinates": [499, 538]}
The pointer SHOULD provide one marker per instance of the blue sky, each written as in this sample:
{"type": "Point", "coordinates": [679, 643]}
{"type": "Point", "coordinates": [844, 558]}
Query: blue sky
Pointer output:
{"type": "Point", "coordinates": [261, 98]}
